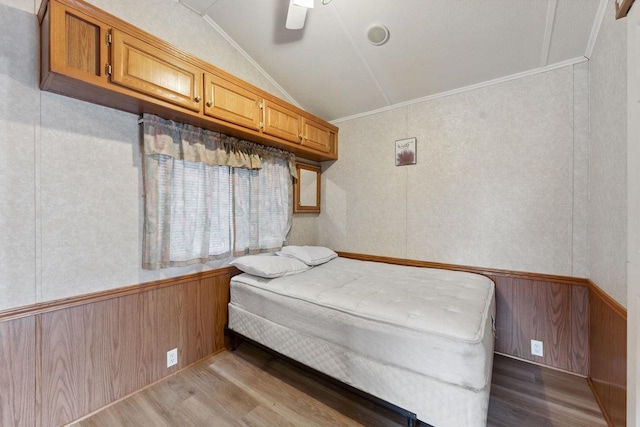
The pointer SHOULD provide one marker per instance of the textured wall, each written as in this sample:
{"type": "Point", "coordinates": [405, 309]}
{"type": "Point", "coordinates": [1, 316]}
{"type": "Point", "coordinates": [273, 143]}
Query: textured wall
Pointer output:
{"type": "Point", "coordinates": [71, 203]}
{"type": "Point", "coordinates": [19, 111]}
{"type": "Point", "coordinates": [500, 170]}
{"type": "Point", "coordinates": [304, 230]}
{"type": "Point", "coordinates": [608, 158]}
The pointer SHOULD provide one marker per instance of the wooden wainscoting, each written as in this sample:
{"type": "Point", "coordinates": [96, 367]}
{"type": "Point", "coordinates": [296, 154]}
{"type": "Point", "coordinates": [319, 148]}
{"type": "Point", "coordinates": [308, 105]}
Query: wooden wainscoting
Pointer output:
{"type": "Point", "coordinates": [608, 335]}
{"type": "Point", "coordinates": [91, 350]}
{"type": "Point", "coordinates": [17, 376]}
{"type": "Point", "coordinates": [551, 309]}
{"type": "Point", "coordinates": [547, 311]}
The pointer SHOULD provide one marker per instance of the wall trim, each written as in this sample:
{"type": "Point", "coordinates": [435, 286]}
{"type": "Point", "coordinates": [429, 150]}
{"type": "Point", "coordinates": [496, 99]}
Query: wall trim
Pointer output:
{"type": "Point", "coordinates": [595, 29]}
{"type": "Point", "coordinates": [608, 355]}
{"type": "Point", "coordinates": [550, 308]}
{"type": "Point", "coordinates": [603, 409]}
{"type": "Point", "coordinates": [606, 298]}
{"type": "Point", "coordinates": [48, 306]}
{"type": "Point", "coordinates": [567, 63]}
{"type": "Point", "coordinates": [249, 59]}
{"type": "Point", "coordinates": [567, 280]}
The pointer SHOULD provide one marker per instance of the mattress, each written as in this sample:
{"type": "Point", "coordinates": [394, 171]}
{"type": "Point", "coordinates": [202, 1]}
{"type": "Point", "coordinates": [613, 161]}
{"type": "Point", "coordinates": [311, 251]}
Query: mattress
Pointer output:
{"type": "Point", "coordinates": [435, 323]}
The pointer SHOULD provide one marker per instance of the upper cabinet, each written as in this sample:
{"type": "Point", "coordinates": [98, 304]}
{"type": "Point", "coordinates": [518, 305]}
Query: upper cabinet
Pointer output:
{"type": "Point", "coordinates": [91, 55]}
{"type": "Point", "coordinates": [77, 45]}
{"type": "Point", "coordinates": [281, 121]}
{"type": "Point", "coordinates": [231, 102]}
{"type": "Point", "coordinates": [317, 136]}
{"type": "Point", "coordinates": [143, 68]}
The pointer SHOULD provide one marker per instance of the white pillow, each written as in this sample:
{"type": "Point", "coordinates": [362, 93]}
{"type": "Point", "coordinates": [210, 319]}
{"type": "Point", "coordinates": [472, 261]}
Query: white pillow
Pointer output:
{"type": "Point", "coordinates": [310, 255]}
{"type": "Point", "coordinates": [269, 266]}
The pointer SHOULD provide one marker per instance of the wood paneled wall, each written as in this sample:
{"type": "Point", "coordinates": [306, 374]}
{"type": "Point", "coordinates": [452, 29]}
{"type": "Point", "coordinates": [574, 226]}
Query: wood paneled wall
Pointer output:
{"type": "Point", "coordinates": [17, 374]}
{"type": "Point", "coordinates": [551, 309]}
{"type": "Point", "coordinates": [62, 360]}
{"type": "Point", "coordinates": [608, 335]}
{"type": "Point", "coordinates": [543, 310]}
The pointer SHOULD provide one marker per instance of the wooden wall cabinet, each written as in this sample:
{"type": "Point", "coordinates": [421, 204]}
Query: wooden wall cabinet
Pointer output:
{"type": "Point", "coordinates": [317, 136]}
{"type": "Point", "coordinates": [143, 68]}
{"type": "Point", "coordinates": [281, 122]}
{"type": "Point", "coordinates": [77, 46]}
{"type": "Point", "coordinates": [232, 102]}
{"type": "Point", "coordinates": [91, 55]}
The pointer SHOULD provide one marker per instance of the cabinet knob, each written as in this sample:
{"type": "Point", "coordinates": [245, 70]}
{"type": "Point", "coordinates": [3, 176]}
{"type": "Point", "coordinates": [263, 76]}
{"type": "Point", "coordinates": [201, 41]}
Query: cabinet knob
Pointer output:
{"type": "Point", "coordinates": [197, 98]}
{"type": "Point", "coordinates": [209, 103]}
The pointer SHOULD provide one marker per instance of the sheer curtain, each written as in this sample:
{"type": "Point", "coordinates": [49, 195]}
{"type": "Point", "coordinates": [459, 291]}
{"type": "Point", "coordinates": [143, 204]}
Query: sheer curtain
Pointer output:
{"type": "Point", "coordinates": [260, 197]}
{"type": "Point", "coordinates": [210, 196]}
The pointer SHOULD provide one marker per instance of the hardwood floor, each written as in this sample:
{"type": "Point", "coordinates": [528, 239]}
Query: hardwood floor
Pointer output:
{"type": "Point", "coordinates": [251, 387]}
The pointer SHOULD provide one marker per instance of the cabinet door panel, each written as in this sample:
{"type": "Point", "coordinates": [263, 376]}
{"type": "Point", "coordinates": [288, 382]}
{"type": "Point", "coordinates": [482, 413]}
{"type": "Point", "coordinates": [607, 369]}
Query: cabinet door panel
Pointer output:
{"type": "Point", "coordinates": [143, 68]}
{"type": "Point", "coordinates": [316, 136]}
{"type": "Point", "coordinates": [230, 102]}
{"type": "Point", "coordinates": [80, 49]}
{"type": "Point", "coordinates": [281, 122]}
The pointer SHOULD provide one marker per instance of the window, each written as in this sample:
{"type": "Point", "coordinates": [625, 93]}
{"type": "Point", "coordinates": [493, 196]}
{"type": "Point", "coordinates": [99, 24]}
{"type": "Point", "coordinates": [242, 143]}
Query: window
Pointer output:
{"type": "Point", "coordinates": [210, 196]}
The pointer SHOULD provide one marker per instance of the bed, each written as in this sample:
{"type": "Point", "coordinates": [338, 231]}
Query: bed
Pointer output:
{"type": "Point", "coordinates": [421, 339]}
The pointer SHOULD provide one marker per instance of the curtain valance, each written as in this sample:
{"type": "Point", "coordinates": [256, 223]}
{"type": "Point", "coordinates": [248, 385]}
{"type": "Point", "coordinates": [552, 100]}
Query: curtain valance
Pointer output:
{"type": "Point", "coordinates": [185, 142]}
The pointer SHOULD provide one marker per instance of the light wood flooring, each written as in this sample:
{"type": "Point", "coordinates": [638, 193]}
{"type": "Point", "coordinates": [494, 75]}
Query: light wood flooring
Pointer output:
{"type": "Point", "coordinates": [250, 387]}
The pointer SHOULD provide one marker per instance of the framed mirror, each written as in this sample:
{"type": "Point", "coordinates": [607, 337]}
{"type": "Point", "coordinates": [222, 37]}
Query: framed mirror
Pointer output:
{"type": "Point", "coordinates": [306, 189]}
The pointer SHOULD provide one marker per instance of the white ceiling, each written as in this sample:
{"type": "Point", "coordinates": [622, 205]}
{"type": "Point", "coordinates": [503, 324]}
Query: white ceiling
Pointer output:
{"type": "Point", "coordinates": [436, 46]}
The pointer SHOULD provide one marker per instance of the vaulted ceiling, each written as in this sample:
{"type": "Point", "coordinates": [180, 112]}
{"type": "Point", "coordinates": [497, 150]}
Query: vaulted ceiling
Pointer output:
{"type": "Point", "coordinates": [435, 46]}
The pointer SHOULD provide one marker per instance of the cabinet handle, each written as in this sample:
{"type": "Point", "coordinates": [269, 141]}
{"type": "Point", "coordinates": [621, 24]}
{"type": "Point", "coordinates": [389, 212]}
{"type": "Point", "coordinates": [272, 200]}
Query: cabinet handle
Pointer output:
{"type": "Point", "coordinates": [209, 103]}
{"type": "Point", "coordinates": [197, 98]}
{"type": "Point", "coordinates": [300, 136]}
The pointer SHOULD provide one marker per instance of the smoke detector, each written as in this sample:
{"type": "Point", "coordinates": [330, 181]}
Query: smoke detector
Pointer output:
{"type": "Point", "coordinates": [378, 35]}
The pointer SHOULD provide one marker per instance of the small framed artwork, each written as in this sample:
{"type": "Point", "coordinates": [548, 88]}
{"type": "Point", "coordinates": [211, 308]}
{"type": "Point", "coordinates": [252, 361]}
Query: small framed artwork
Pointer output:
{"type": "Point", "coordinates": [622, 8]}
{"type": "Point", "coordinates": [406, 152]}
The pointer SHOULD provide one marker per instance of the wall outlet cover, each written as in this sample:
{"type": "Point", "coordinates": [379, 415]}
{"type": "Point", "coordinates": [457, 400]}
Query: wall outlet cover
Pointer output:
{"type": "Point", "coordinates": [172, 357]}
{"type": "Point", "coordinates": [537, 348]}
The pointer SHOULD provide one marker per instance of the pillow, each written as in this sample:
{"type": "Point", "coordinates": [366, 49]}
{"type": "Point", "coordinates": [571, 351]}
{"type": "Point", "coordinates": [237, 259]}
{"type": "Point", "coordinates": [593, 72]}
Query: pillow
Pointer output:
{"type": "Point", "coordinates": [310, 255]}
{"type": "Point", "coordinates": [269, 266]}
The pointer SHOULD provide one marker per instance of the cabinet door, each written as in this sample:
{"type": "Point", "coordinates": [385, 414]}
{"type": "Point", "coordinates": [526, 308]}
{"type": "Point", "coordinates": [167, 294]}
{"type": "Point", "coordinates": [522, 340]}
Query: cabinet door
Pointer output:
{"type": "Point", "coordinates": [231, 102]}
{"type": "Point", "coordinates": [146, 69]}
{"type": "Point", "coordinates": [281, 122]}
{"type": "Point", "coordinates": [76, 45]}
{"type": "Point", "coordinates": [316, 136]}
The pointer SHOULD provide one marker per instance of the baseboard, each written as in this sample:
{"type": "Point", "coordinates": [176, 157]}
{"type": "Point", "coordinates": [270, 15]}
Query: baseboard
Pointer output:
{"type": "Point", "coordinates": [603, 409]}
{"type": "Point", "coordinates": [90, 414]}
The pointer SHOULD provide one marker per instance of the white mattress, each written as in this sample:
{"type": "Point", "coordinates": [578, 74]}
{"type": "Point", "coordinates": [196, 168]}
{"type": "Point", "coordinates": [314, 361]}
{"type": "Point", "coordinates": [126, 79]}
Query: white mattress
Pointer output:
{"type": "Point", "coordinates": [437, 323]}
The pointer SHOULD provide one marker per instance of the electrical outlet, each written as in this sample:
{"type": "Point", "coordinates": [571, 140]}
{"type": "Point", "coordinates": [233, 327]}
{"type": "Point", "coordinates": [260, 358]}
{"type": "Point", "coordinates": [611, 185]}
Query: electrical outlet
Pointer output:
{"type": "Point", "coordinates": [536, 348]}
{"type": "Point", "coordinates": [172, 357]}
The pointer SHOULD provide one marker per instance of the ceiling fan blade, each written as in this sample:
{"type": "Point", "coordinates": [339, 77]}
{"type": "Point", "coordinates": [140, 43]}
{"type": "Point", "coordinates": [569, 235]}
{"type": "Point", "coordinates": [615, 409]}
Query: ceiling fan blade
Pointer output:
{"type": "Point", "coordinates": [295, 16]}
{"type": "Point", "coordinates": [304, 3]}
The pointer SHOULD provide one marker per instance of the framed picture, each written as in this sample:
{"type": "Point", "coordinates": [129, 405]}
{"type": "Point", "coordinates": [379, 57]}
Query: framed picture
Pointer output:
{"type": "Point", "coordinates": [406, 152]}
{"type": "Point", "coordinates": [622, 8]}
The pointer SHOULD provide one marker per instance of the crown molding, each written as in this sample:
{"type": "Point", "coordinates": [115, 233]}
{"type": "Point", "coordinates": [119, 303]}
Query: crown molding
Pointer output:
{"type": "Point", "coordinates": [504, 79]}
{"type": "Point", "coordinates": [248, 57]}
